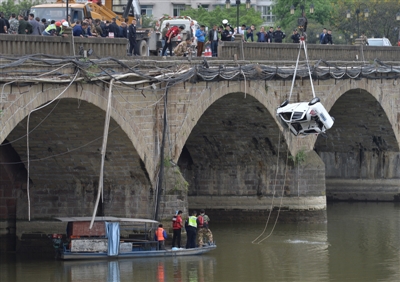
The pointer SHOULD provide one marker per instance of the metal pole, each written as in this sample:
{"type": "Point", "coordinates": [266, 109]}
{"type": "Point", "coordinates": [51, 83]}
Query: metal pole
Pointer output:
{"type": "Point", "coordinates": [358, 24]}
{"type": "Point", "coordinates": [237, 15]}
{"type": "Point", "coordinates": [66, 17]}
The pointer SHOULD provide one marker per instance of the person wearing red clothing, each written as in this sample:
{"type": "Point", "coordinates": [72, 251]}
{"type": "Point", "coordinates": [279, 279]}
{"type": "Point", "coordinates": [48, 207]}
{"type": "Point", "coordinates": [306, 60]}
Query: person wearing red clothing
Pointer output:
{"type": "Point", "coordinates": [177, 227]}
{"type": "Point", "coordinates": [172, 32]}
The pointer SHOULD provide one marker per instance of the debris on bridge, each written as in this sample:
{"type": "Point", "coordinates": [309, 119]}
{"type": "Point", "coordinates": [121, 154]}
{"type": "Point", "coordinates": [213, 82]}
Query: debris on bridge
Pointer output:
{"type": "Point", "coordinates": [136, 73]}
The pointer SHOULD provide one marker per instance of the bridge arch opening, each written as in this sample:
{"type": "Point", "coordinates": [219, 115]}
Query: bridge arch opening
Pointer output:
{"type": "Point", "coordinates": [65, 157]}
{"type": "Point", "coordinates": [361, 153]}
{"type": "Point", "coordinates": [232, 151]}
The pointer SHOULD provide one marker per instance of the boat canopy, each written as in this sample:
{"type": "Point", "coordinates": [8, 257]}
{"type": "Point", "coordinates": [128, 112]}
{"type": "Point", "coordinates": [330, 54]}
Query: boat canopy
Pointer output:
{"type": "Point", "coordinates": [107, 218]}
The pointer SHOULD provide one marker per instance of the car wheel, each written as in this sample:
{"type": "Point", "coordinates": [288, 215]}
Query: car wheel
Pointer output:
{"type": "Point", "coordinates": [284, 104]}
{"type": "Point", "coordinates": [143, 48]}
{"type": "Point", "coordinates": [314, 101]}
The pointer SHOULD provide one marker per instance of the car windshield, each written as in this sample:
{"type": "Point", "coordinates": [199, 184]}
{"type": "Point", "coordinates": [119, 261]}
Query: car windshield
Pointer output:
{"type": "Point", "coordinates": [56, 14]}
{"type": "Point", "coordinates": [375, 42]}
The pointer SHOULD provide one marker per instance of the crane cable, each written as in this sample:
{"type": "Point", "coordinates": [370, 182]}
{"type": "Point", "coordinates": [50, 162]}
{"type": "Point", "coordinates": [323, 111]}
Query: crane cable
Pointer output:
{"type": "Point", "coordinates": [302, 43]}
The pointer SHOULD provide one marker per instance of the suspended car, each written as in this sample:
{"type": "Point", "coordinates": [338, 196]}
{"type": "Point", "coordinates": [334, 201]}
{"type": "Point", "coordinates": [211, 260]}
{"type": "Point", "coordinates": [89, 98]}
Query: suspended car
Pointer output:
{"type": "Point", "coordinates": [305, 118]}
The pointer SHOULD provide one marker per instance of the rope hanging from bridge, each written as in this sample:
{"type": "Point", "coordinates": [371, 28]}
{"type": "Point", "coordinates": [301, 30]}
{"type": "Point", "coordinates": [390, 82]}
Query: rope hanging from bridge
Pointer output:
{"type": "Point", "coordinates": [27, 141]}
{"type": "Point", "coordinates": [103, 154]}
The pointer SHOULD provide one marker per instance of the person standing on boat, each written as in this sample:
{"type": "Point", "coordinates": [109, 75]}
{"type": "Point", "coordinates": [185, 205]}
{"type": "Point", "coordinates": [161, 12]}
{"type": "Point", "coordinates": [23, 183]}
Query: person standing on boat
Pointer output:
{"type": "Point", "coordinates": [177, 228]}
{"type": "Point", "coordinates": [191, 231]}
{"type": "Point", "coordinates": [203, 230]}
{"type": "Point", "coordinates": [160, 236]}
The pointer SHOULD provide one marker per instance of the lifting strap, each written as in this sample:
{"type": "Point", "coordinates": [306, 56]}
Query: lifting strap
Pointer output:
{"type": "Point", "coordinates": [302, 43]}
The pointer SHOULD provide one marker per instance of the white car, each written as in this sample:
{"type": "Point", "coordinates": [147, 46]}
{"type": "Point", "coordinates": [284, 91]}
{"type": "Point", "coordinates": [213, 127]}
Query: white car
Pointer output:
{"type": "Point", "coordinates": [305, 118]}
{"type": "Point", "coordinates": [379, 42]}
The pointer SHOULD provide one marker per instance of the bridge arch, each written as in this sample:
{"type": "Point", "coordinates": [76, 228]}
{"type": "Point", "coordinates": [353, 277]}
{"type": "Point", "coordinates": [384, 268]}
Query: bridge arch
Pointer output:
{"type": "Point", "coordinates": [38, 95]}
{"type": "Point", "coordinates": [381, 92]}
{"type": "Point", "coordinates": [361, 153]}
{"type": "Point", "coordinates": [66, 184]}
{"type": "Point", "coordinates": [236, 155]}
{"type": "Point", "coordinates": [214, 91]}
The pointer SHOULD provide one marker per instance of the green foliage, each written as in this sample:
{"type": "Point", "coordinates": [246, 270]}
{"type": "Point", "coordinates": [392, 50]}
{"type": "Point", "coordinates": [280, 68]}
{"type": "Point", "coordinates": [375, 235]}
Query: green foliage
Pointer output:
{"type": "Point", "coordinates": [11, 6]}
{"type": "Point", "coordinates": [331, 14]}
{"type": "Point", "coordinates": [281, 11]}
{"type": "Point", "coordinates": [174, 181]}
{"type": "Point", "coordinates": [209, 18]}
{"type": "Point", "coordinates": [300, 157]}
{"type": "Point", "coordinates": [167, 163]}
{"type": "Point", "coordinates": [381, 20]}
{"type": "Point", "coordinates": [148, 21]}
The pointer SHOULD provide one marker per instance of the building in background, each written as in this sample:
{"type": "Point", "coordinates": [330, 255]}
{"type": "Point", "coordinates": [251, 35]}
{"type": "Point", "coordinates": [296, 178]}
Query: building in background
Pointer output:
{"type": "Point", "coordinates": [159, 8]}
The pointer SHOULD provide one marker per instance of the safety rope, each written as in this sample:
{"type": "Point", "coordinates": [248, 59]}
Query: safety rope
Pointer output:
{"type": "Point", "coordinates": [273, 193]}
{"type": "Point", "coordinates": [27, 140]}
{"type": "Point", "coordinates": [308, 66]}
{"type": "Point", "coordinates": [103, 154]}
{"type": "Point", "coordinates": [295, 72]}
{"type": "Point", "coordinates": [271, 208]}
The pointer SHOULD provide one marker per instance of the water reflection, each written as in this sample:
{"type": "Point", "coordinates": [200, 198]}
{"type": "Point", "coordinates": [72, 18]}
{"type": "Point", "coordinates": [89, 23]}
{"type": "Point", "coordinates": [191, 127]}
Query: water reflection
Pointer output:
{"type": "Point", "coordinates": [293, 253]}
{"type": "Point", "coordinates": [180, 269]}
{"type": "Point", "coordinates": [364, 240]}
{"type": "Point", "coordinates": [359, 243]}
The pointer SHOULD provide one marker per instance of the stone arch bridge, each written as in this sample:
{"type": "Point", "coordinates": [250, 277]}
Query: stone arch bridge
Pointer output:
{"type": "Point", "coordinates": [224, 149]}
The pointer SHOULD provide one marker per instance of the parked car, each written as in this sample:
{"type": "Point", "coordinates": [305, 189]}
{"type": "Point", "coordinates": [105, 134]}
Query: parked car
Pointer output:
{"type": "Point", "coordinates": [379, 42]}
{"type": "Point", "coordinates": [305, 118]}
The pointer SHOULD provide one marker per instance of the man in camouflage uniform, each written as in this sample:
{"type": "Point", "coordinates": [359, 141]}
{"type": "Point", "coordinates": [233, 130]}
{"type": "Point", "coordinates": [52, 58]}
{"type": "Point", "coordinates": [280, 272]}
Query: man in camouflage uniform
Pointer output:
{"type": "Point", "coordinates": [203, 230]}
{"type": "Point", "coordinates": [14, 25]}
{"type": "Point", "coordinates": [183, 47]}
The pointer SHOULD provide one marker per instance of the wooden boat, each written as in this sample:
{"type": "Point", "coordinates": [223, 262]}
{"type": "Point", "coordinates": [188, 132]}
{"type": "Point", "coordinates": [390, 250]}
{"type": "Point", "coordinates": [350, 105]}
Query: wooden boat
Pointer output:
{"type": "Point", "coordinates": [114, 238]}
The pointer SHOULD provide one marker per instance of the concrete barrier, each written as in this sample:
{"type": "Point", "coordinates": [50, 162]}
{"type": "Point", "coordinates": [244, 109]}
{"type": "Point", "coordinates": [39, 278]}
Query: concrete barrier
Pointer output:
{"type": "Point", "coordinates": [20, 45]}
{"type": "Point", "coordinates": [289, 51]}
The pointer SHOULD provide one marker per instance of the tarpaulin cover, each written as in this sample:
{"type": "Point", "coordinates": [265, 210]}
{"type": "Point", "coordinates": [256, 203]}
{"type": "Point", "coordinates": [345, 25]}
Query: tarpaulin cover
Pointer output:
{"type": "Point", "coordinates": [112, 231]}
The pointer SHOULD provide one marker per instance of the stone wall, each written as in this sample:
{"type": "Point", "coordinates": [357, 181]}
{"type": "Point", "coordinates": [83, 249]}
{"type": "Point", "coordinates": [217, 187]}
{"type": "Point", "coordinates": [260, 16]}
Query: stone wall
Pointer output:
{"type": "Point", "coordinates": [22, 45]}
{"type": "Point", "coordinates": [223, 136]}
{"type": "Point", "coordinates": [286, 51]}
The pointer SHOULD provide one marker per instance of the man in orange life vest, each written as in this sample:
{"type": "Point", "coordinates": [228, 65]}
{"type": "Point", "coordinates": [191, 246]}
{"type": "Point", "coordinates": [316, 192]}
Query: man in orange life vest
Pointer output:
{"type": "Point", "coordinates": [177, 227]}
{"type": "Point", "coordinates": [160, 236]}
{"type": "Point", "coordinates": [203, 230]}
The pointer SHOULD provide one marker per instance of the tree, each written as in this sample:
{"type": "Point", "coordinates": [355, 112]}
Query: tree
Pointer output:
{"type": "Point", "coordinates": [381, 20]}
{"type": "Point", "coordinates": [209, 18]}
{"type": "Point", "coordinates": [281, 10]}
{"type": "Point", "coordinates": [147, 21]}
{"type": "Point", "coordinates": [8, 7]}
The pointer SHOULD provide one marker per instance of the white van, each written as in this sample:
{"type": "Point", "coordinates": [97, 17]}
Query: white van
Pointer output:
{"type": "Point", "coordinates": [379, 42]}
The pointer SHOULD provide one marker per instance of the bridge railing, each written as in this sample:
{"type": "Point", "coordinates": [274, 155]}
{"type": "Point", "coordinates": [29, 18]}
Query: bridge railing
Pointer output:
{"type": "Point", "coordinates": [20, 45]}
{"type": "Point", "coordinates": [289, 51]}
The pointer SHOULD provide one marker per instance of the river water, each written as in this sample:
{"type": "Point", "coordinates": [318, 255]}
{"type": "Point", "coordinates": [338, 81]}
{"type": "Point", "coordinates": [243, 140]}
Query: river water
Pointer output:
{"type": "Point", "coordinates": [359, 242]}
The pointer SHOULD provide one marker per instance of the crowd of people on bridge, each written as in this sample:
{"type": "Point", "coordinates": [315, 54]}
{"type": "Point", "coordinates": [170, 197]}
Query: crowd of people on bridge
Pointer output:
{"type": "Point", "coordinates": [31, 25]}
{"type": "Point", "coordinates": [196, 42]}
